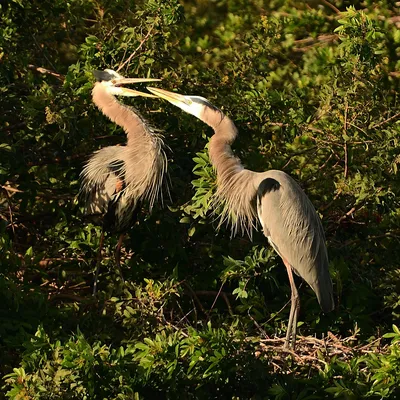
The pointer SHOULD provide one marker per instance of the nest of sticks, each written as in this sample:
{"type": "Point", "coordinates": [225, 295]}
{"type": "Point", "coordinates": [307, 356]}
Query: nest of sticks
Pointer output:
{"type": "Point", "coordinates": [315, 353]}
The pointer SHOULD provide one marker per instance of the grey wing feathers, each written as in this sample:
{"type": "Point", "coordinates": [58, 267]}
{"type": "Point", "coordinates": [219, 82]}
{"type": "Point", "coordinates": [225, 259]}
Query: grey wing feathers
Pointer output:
{"type": "Point", "coordinates": [294, 229]}
{"type": "Point", "coordinates": [102, 174]}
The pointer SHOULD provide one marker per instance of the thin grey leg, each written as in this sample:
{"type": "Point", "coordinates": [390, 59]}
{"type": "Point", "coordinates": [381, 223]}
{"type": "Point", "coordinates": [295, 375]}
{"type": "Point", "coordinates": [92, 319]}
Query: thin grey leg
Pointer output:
{"type": "Point", "coordinates": [290, 340]}
{"type": "Point", "coordinates": [118, 255]}
{"type": "Point", "coordinates": [98, 263]}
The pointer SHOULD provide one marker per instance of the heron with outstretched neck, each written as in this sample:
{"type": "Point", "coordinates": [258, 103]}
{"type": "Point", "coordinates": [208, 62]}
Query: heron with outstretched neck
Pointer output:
{"type": "Point", "coordinates": [117, 180]}
{"type": "Point", "coordinates": [287, 216]}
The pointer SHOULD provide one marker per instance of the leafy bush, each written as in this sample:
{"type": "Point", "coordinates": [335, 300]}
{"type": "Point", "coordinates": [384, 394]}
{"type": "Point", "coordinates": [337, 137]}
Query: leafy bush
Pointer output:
{"type": "Point", "coordinates": [313, 88]}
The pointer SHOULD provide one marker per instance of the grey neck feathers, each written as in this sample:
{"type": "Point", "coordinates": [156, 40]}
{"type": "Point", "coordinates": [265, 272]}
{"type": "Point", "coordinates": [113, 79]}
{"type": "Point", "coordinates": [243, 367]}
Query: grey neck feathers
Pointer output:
{"type": "Point", "coordinates": [236, 192]}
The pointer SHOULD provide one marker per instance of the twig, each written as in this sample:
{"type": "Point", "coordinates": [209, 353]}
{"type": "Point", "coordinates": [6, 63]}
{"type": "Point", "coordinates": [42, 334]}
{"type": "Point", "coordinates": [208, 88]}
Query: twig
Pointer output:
{"type": "Point", "coordinates": [258, 326]}
{"type": "Point", "coordinates": [186, 315]}
{"type": "Point", "coordinates": [278, 312]}
{"type": "Point", "coordinates": [326, 162]}
{"type": "Point", "coordinates": [67, 296]}
{"type": "Point", "coordinates": [386, 121]}
{"type": "Point", "coordinates": [49, 261]}
{"type": "Point", "coordinates": [11, 189]}
{"type": "Point", "coordinates": [331, 6]}
{"type": "Point", "coordinates": [373, 237]}
{"type": "Point", "coordinates": [216, 297]}
{"type": "Point", "coordinates": [345, 140]}
{"type": "Point", "coordinates": [346, 215]}
{"type": "Point", "coordinates": [44, 54]}
{"type": "Point", "coordinates": [144, 40]}
{"type": "Point", "coordinates": [228, 304]}
{"type": "Point", "coordinates": [196, 299]}
{"type": "Point", "coordinates": [10, 210]}
{"type": "Point", "coordinates": [46, 71]}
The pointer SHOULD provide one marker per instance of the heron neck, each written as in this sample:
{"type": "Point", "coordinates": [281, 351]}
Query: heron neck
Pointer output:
{"type": "Point", "coordinates": [235, 189]}
{"type": "Point", "coordinates": [220, 151]}
{"type": "Point", "coordinates": [118, 113]}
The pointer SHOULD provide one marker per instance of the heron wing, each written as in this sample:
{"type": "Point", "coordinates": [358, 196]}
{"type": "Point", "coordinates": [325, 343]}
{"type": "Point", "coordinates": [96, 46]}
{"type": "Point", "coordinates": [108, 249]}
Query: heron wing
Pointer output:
{"type": "Point", "coordinates": [294, 229]}
{"type": "Point", "coordinates": [103, 179]}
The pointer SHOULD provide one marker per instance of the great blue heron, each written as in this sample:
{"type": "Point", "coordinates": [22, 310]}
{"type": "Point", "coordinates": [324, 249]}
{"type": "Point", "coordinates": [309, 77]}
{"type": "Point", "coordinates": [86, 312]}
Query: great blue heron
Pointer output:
{"type": "Point", "coordinates": [118, 179]}
{"type": "Point", "coordinates": [287, 216]}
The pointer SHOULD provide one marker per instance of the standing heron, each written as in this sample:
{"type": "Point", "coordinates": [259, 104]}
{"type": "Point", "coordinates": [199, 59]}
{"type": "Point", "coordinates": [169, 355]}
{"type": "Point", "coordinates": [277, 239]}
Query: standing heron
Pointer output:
{"type": "Point", "coordinates": [118, 179]}
{"type": "Point", "coordinates": [287, 216]}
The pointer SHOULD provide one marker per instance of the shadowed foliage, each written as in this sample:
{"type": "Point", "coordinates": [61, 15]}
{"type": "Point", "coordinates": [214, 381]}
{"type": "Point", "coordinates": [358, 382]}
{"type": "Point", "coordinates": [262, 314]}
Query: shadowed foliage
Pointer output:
{"type": "Point", "coordinates": [313, 89]}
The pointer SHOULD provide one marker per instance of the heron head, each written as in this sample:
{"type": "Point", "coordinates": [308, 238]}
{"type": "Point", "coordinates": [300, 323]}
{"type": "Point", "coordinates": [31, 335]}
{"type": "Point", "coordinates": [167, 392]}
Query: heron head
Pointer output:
{"type": "Point", "coordinates": [113, 82]}
{"type": "Point", "coordinates": [195, 105]}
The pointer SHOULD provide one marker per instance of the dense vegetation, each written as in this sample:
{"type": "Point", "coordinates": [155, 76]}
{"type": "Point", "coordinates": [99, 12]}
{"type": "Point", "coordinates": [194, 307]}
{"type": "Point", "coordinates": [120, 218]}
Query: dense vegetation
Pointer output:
{"type": "Point", "coordinates": [313, 88]}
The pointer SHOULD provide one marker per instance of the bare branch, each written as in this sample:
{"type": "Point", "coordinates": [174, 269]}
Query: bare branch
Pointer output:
{"type": "Point", "coordinates": [144, 40]}
{"type": "Point", "coordinates": [46, 71]}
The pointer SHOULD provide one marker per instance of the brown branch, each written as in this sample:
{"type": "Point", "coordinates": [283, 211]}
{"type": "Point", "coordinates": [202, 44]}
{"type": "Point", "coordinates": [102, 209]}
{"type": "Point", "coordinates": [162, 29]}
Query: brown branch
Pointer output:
{"type": "Point", "coordinates": [67, 296]}
{"type": "Point", "coordinates": [346, 215]}
{"type": "Point", "coordinates": [196, 299]}
{"type": "Point", "coordinates": [225, 296]}
{"type": "Point", "coordinates": [144, 40]}
{"type": "Point", "coordinates": [10, 211]}
{"type": "Point", "coordinates": [386, 121]}
{"type": "Point", "coordinates": [319, 41]}
{"type": "Point", "coordinates": [11, 189]}
{"type": "Point", "coordinates": [46, 262]}
{"type": "Point", "coordinates": [345, 140]}
{"type": "Point", "coordinates": [394, 234]}
{"type": "Point", "coordinates": [216, 297]}
{"type": "Point", "coordinates": [331, 6]}
{"type": "Point", "coordinates": [46, 71]}
{"type": "Point", "coordinates": [228, 304]}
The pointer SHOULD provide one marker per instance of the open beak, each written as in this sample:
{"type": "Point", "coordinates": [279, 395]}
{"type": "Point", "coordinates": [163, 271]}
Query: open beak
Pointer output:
{"type": "Point", "coordinates": [174, 98]}
{"type": "Point", "coordinates": [125, 81]}
{"type": "Point", "coordinates": [133, 93]}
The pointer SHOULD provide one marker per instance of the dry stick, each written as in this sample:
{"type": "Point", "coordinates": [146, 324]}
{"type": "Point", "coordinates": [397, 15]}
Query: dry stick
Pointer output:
{"type": "Point", "coordinates": [216, 297]}
{"type": "Point", "coordinates": [44, 54]}
{"type": "Point", "coordinates": [186, 315]}
{"type": "Point", "coordinates": [144, 40]}
{"type": "Point", "coordinates": [331, 6]}
{"type": "Point", "coordinates": [98, 263]}
{"type": "Point", "coordinates": [278, 311]}
{"type": "Point", "coordinates": [373, 237]}
{"type": "Point", "coordinates": [49, 261]}
{"type": "Point", "coordinates": [346, 215]}
{"type": "Point", "coordinates": [10, 211]}
{"type": "Point", "coordinates": [228, 304]}
{"type": "Point", "coordinates": [326, 162]}
{"type": "Point", "coordinates": [224, 295]}
{"type": "Point", "coordinates": [46, 71]}
{"type": "Point", "coordinates": [11, 189]}
{"type": "Point", "coordinates": [386, 121]}
{"type": "Point", "coordinates": [258, 326]}
{"type": "Point", "coordinates": [196, 299]}
{"type": "Point", "coordinates": [345, 140]}
{"type": "Point", "coordinates": [67, 296]}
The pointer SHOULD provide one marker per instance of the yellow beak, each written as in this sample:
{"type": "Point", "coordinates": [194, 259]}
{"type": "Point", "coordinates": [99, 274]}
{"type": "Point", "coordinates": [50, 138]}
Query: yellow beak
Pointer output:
{"type": "Point", "coordinates": [172, 97]}
{"type": "Point", "coordinates": [125, 81]}
{"type": "Point", "coordinates": [133, 93]}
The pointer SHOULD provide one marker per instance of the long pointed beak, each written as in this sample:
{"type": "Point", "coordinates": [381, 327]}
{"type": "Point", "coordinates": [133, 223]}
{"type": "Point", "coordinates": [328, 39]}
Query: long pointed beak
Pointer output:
{"type": "Point", "coordinates": [169, 96]}
{"type": "Point", "coordinates": [125, 81]}
{"type": "Point", "coordinates": [133, 93]}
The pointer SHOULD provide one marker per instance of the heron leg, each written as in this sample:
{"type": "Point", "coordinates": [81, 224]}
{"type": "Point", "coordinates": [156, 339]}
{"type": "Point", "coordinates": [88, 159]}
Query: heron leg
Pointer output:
{"type": "Point", "coordinates": [118, 255]}
{"type": "Point", "coordinates": [98, 263]}
{"type": "Point", "coordinates": [290, 340]}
